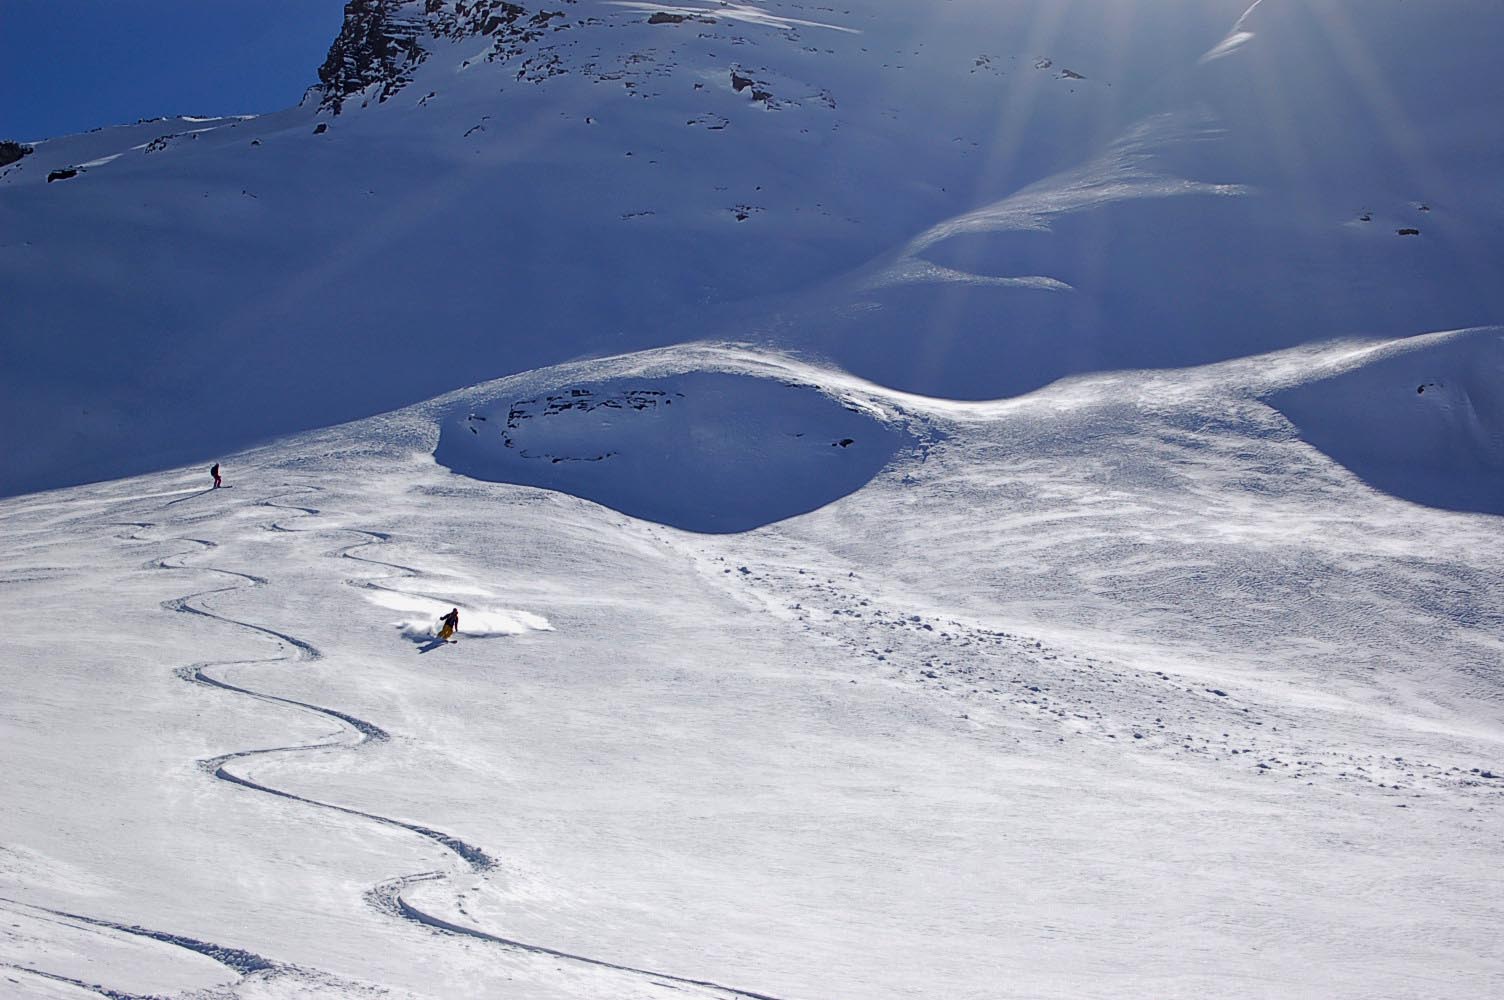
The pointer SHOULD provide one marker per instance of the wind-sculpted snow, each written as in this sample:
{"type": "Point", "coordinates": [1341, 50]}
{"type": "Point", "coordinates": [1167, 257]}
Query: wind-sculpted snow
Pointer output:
{"type": "Point", "coordinates": [708, 451]}
{"type": "Point", "coordinates": [968, 200]}
{"type": "Point", "coordinates": [1422, 421]}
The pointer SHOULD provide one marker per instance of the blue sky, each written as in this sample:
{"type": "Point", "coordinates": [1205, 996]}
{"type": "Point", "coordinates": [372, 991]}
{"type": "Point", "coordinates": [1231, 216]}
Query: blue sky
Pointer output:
{"type": "Point", "coordinates": [69, 67]}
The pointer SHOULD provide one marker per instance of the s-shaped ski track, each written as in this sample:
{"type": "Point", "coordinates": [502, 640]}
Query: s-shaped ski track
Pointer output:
{"type": "Point", "coordinates": [387, 896]}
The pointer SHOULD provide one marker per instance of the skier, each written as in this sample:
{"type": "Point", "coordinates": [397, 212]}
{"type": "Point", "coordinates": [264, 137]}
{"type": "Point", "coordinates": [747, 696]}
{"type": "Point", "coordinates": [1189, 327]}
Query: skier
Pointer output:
{"type": "Point", "coordinates": [449, 624]}
{"type": "Point", "coordinates": [214, 471]}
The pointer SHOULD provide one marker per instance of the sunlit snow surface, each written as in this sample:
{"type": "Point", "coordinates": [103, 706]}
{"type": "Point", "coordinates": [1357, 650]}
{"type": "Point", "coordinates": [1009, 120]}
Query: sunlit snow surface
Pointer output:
{"type": "Point", "coordinates": [1118, 689]}
{"type": "Point", "coordinates": [1144, 641]}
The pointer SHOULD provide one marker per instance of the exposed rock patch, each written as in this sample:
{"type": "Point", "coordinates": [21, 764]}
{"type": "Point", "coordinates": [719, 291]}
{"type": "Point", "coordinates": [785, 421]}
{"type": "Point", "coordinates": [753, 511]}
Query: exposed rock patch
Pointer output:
{"type": "Point", "coordinates": [377, 47]}
{"type": "Point", "coordinates": [11, 152]}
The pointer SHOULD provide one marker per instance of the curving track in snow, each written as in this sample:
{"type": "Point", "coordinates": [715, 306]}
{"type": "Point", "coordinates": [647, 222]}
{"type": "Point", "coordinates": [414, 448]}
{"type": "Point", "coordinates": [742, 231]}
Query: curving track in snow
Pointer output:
{"type": "Point", "coordinates": [387, 896]}
{"type": "Point", "coordinates": [238, 960]}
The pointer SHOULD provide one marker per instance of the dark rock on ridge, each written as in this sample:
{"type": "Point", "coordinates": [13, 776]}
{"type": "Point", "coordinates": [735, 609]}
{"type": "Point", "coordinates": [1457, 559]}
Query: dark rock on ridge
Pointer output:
{"type": "Point", "coordinates": [10, 152]}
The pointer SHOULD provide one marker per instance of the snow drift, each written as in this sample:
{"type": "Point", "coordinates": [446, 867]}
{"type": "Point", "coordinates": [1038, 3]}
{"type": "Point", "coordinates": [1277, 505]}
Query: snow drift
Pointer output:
{"type": "Point", "coordinates": [1423, 421]}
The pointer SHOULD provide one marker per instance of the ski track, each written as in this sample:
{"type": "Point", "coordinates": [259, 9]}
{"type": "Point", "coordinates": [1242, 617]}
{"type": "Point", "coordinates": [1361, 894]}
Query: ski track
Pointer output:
{"type": "Point", "coordinates": [231, 958]}
{"type": "Point", "coordinates": [386, 897]}
{"type": "Point", "coordinates": [236, 959]}
{"type": "Point", "coordinates": [132, 536]}
{"type": "Point", "coordinates": [103, 991]}
{"type": "Point", "coordinates": [245, 963]}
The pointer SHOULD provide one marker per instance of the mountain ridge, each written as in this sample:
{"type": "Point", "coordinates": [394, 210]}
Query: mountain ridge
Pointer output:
{"type": "Point", "coordinates": [925, 197]}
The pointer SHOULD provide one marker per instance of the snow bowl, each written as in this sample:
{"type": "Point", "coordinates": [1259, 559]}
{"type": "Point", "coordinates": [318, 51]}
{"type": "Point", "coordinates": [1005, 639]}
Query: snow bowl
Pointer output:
{"type": "Point", "coordinates": [1424, 424]}
{"type": "Point", "coordinates": [707, 451]}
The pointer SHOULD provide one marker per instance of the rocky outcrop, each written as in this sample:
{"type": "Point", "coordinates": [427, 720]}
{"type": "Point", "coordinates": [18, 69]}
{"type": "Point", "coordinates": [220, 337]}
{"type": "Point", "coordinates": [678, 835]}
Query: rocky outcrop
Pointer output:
{"type": "Point", "coordinates": [383, 41]}
{"type": "Point", "coordinates": [511, 27]}
{"type": "Point", "coordinates": [10, 152]}
{"type": "Point", "coordinates": [377, 47]}
{"type": "Point", "coordinates": [664, 18]}
{"type": "Point", "coordinates": [760, 92]}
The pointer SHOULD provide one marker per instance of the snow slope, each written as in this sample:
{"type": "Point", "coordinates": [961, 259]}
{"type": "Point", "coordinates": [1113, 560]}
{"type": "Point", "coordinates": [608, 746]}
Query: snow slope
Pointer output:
{"type": "Point", "coordinates": [1422, 419]}
{"type": "Point", "coordinates": [1144, 640]}
{"type": "Point", "coordinates": [1117, 689]}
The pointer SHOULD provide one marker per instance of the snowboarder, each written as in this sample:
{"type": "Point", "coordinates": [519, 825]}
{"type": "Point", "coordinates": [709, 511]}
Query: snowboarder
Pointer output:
{"type": "Point", "coordinates": [449, 624]}
{"type": "Point", "coordinates": [214, 471]}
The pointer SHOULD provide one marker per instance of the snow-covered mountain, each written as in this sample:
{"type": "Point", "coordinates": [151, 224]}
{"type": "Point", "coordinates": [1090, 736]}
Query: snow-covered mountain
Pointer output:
{"type": "Point", "coordinates": [951, 499]}
{"type": "Point", "coordinates": [962, 199]}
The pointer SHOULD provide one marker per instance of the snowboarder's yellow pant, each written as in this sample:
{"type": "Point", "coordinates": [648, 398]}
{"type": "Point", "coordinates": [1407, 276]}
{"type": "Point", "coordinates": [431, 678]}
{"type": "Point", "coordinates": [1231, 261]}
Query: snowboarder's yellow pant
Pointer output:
{"type": "Point", "coordinates": [446, 632]}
